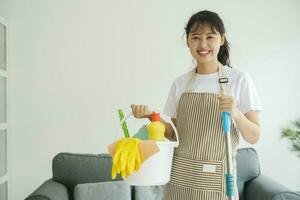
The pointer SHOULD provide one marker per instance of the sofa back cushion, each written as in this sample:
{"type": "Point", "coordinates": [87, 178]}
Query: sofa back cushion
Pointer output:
{"type": "Point", "coordinates": [247, 167]}
{"type": "Point", "coordinates": [72, 169]}
{"type": "Point", "coordinates": [149, 192]}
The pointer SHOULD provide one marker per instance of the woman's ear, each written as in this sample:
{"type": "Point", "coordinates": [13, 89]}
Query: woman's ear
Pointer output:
{"type": "Point", "coordinates": [187, 43]}
{"type": "Point", "coordinates": [223, 40]}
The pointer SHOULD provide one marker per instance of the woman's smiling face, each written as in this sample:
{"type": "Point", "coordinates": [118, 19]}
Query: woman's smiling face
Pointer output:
{"type": "Point", "coordinates": [204, 44]}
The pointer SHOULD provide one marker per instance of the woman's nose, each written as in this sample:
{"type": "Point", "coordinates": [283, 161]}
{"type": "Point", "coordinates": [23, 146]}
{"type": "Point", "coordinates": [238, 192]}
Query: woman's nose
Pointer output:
{"type": "Point", "coordinates": [202, 44]}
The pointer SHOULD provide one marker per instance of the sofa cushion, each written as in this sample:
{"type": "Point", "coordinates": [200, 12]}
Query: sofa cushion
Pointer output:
{"type": "Point", "coordinates": [116, 190]}
{"type": "Point", "coordinates": [72, 169]}
{"type": "Point", "coordinates": [247, 167]}
{"type": "Point", "coordinates": [149, 192]}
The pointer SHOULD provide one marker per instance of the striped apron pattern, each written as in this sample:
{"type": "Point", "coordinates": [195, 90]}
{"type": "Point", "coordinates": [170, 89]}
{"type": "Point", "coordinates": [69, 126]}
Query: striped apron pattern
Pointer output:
{"type": "Point", "coordinates": [199, 162]}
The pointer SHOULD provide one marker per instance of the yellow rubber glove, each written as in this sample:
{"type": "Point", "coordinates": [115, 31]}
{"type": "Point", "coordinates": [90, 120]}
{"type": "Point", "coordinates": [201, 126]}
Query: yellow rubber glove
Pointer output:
{"type": "Point", "coordinates": [126, 158]}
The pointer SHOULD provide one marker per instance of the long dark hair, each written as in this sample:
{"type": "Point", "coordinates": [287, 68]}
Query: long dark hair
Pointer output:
{"type": "Point", "coordinates": [215, 23]}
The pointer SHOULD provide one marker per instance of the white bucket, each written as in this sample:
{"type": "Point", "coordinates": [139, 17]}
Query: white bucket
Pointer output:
{"type": "Point", "coordinates": [156, 170]}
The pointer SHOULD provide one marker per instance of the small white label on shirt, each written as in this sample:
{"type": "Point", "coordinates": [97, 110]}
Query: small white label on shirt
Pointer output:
{"type": "Point", "coordinates": [209, 168]}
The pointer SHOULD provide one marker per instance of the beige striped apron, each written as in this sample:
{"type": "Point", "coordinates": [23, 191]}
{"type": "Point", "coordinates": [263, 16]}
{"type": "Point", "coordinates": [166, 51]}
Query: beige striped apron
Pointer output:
{"type": "Point", "coordinates": [199, 163]}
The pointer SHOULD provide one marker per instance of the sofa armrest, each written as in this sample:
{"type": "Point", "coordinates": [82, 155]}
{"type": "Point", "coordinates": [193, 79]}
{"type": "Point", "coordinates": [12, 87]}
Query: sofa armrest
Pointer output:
{"type": "Point", "coordinates": [265, 188]}
{"type": "Point", "coordinates": [50, 190]}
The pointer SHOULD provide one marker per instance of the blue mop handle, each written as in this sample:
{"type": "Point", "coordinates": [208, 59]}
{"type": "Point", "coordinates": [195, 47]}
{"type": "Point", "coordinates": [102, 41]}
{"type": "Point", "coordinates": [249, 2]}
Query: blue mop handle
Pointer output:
{"type": "Point", "coordinates": [230, 187]}
{"type": "Point", "coordinates": [226, 122]}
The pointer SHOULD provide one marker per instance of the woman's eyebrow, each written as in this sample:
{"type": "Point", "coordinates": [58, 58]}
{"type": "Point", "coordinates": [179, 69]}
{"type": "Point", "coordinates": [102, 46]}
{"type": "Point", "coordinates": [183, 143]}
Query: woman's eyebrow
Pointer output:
{"type": "Point", "coordinates": [210, 33]}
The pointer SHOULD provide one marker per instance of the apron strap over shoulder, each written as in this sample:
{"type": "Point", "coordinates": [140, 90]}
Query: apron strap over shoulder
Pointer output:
{"type": "Point", "coordinates": [223, 80]}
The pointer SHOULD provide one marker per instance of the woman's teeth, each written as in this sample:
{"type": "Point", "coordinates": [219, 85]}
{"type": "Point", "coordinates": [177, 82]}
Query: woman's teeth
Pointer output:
{"type": "Point", "coordinates": [203, 52]}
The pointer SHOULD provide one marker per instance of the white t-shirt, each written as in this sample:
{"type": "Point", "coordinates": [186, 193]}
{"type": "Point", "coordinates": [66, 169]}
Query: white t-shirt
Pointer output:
{"type": "Point", "coordinates": [240, 86]}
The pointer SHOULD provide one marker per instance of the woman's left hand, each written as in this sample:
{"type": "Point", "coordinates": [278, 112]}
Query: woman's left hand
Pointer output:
{"type": "Point", "coordinates": [227, 104]}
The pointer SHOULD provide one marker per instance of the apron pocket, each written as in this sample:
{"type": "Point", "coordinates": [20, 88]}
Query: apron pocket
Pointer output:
{"type": "Point", "coordinates": [197, 174]}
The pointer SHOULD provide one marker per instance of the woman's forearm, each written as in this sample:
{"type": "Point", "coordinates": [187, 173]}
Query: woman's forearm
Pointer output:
{"type": "Point", "coordinates": [169, 133]}
{"type": "Point", "coordinates": [250, 131]}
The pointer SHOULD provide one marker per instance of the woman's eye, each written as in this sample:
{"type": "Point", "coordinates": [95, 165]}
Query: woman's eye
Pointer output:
{"type": "Point", "coordinates": [195, 38]}
{"type": "Point", "coordinates": [210, 37]}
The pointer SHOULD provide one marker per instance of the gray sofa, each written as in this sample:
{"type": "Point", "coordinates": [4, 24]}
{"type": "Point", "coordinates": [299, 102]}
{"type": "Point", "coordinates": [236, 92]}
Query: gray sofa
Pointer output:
{"type": "Point", "coordinates": [87, 177]}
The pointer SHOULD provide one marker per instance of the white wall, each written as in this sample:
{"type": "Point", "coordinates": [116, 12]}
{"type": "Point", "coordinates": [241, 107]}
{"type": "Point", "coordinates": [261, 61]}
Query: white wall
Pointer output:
{"type": "Point", "coordinates": [74, 63]}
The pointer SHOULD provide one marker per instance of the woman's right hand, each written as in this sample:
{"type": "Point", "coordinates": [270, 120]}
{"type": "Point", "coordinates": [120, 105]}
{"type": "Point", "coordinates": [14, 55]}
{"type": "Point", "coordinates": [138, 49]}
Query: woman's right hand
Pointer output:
{"type": "Point", "coordinates": [141, 111]}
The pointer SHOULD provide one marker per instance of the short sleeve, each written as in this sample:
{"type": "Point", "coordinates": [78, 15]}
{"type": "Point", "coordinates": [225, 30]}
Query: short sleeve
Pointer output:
{"type": "Point", "coordinates": [249, 98]}
{"type": "Point", "coordinates": [170, 108]}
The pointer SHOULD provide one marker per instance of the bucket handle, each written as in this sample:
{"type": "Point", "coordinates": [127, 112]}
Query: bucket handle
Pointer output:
{"type": "Point", "coordinates": [164, 117]}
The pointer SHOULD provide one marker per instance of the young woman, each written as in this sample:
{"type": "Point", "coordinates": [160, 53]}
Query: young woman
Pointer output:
{"type": "Point", "coordinates": [195, 103]}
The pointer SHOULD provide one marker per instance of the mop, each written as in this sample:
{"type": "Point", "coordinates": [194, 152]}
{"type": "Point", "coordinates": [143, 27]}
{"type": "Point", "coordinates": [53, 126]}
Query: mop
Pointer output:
{"type": "Point", "coordinates": [230, 187]}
